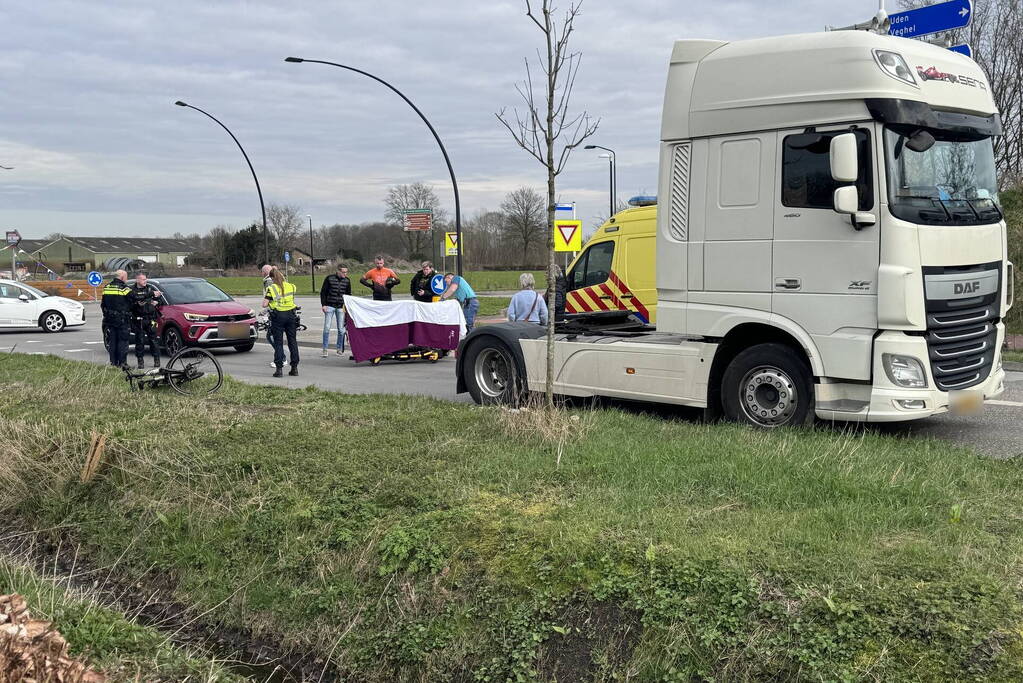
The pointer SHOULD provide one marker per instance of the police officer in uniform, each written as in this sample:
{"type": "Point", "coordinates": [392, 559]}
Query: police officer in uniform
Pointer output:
{"type": "Point", "coordinates": [145, 298]}
{"type": "Point", "coordinates": [280, 299]}
{"type": "Point", "coordinates": [116, 305]}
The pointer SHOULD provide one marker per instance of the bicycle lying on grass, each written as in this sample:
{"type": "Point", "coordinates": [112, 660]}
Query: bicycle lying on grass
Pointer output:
{"type": "Point", "coordinates": [191, 372]}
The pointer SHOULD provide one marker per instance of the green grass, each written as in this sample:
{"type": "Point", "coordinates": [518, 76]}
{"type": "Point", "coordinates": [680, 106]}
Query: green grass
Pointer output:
{"type": "Point", "coordinates": [108, 640]}
{"type": "Point", "coordinates": [1013, 356]}
{"type": "Point", "coordinates": [411, 539]}
{"type": "Point", "coordinates": [481, 281]}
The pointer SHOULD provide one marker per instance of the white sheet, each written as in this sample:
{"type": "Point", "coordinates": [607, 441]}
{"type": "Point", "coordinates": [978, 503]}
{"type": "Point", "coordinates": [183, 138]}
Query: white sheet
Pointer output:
{"type": "Point", "coordinates": [369, 313]}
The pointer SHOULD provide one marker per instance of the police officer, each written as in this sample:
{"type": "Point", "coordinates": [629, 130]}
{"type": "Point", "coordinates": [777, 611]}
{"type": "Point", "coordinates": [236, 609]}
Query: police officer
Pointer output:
{"type": "Point", "coordinates": [116, 305]}
{"type": "Point", "coordinates": [145, 298]}
{"type": "Point", "coordinates": [280, 299]}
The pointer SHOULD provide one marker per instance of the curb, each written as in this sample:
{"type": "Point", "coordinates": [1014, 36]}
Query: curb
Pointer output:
{"type": "Point", "coordinates": [1012, 366]}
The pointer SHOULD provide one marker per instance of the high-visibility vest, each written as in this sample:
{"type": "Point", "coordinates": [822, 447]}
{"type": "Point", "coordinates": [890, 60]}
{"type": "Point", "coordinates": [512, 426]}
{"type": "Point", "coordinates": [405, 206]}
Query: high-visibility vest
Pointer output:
{"type": "Point", "coordinates": [281, 301]}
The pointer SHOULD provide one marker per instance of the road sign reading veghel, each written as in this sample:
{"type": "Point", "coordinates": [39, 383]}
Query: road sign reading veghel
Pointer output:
{"type": "Point", "coordinates": [419, 219]}
{"type": "Point", "coordinates": [451, 245]}
{"type": "Point", "coordinates": [13, 238]}
{"type": "Point", "coordinates": [943, 16]}
{"type": "Point", "coordinates": [568, 235]}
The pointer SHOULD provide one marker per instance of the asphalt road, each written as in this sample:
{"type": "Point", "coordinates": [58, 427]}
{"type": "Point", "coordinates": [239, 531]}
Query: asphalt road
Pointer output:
{"type": "Point", "coordinates": [997, 431]}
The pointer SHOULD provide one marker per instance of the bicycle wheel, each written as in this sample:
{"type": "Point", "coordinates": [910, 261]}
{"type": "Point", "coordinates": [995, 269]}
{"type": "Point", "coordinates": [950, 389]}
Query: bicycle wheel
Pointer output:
{"type": "Point", "coordinates": [194, 372]}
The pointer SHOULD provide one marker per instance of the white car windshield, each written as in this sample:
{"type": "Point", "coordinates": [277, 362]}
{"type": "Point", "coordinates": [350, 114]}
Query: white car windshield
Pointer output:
{"type": "Point", "coordinates": [38, 292]}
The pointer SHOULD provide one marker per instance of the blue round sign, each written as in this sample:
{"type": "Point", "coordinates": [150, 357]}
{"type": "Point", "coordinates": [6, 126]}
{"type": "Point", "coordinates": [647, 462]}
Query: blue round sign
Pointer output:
{"type": "Point", "coordinates": [437, 284]}
{"type": "Point", "coordinates": [95, 279]}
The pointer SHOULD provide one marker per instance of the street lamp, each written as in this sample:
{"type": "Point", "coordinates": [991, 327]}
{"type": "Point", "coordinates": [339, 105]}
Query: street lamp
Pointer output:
{"type": "Point", "coordinates": [447, 160]}
{"type": "Point", "coordinates": [613, 179]}
{"type": "Point", "coordinates": [312, 260]}
{"type": "Point", "coordinates": [266, 234]}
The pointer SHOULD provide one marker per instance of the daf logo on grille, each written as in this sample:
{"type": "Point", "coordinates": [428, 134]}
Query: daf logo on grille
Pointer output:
{"type": "Point", "coordinates": [966, 287]}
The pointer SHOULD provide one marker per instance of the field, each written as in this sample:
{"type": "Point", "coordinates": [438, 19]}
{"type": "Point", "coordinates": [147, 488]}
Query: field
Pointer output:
{"type": "Point", "coordinates": [481, 281]}
{"type": "Point", "coordinates": [403, 538]}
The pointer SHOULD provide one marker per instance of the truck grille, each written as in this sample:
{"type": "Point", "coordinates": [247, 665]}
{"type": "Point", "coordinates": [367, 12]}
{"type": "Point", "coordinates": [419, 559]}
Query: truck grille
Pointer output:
{"type": "Point", "coordinates": [961, 345]}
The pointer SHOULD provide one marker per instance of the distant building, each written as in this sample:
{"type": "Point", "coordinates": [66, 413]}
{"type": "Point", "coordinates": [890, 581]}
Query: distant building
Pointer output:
{"type": "Point", "coordinates": [82, 254]}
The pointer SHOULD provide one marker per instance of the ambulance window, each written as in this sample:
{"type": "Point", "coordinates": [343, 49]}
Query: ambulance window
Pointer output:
{"type": "Point", "coordinates": [594, 267]}
{"type": "Point", "coordinates": [806, 171]}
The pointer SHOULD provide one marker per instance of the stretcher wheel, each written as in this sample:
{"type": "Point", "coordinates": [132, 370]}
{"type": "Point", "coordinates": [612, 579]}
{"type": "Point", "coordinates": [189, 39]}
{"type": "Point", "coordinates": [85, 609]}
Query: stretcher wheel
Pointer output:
{"type": "Point", "coordinates": [375, 361]}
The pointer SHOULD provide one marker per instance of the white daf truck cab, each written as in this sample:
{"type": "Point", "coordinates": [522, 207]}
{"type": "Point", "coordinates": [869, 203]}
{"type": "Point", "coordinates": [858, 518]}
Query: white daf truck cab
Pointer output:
{"type": "Point", "coordinates": [829, 243]}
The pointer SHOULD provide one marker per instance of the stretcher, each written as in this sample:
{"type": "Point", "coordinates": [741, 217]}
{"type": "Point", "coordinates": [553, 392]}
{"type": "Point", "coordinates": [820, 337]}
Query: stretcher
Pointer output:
{"type": "Point", "coordinates": [402, 331]}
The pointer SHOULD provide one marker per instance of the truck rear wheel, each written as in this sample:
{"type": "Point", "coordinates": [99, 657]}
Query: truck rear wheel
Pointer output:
{"type": "Point", "coordinates": [768, 386]}
{"type": "Point", "coordinates": [492, 374]}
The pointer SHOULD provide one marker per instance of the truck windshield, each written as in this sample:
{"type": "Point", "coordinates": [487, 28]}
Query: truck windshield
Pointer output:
{"type": "Point", "coordinates": [951, 183]}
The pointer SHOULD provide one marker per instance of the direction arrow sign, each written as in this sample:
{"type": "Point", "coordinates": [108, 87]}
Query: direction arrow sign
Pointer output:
{"type": "Point", "coordinates": [941, 17]}
{"type": "Point", "coordinates": [568, 235]}
{"type": "Point", "coordinates": [95, 279]}
{"type": "Point", "coordinates": [418, 219]}
{"type": "Point", "coordinates": [963, 49]}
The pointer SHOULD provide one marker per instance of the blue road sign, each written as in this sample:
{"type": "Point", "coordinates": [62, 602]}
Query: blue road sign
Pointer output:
{"type": "Point", "coordinates": [437, 284]}
{"type": "Point", "coordinates": [287, 256]}
{"type": "Point", "coordinates": [95, 279]}
{"type": "Point", "coordinates": [941, 17]}
{"type": "Point", "coordinates": [963, 49]}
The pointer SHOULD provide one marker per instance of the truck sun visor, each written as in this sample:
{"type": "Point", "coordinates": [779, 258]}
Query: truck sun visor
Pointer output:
{"type": "Point", "coordinates": [914, 115]}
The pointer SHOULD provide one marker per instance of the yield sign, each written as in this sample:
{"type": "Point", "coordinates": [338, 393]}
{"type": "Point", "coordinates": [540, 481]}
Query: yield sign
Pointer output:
{"type": "Point", "coordinates": [568, 235]}
{"type": "Point", "coordinates": [451, 244]}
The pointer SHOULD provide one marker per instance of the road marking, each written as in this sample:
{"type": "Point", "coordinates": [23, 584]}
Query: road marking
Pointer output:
{"type": "Point", "coordinates": [99, 342]}
{"type": "Point", "coordinates": [33, 341]}
{"type": "Point", "coordinates": [76, 350]}
{"type": "Point", "coordinates": [1014, 404]}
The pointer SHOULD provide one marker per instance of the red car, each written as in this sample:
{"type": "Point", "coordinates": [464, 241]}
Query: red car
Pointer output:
{"type": "Point", "coordinates": [195, 312]}
{"type": "Point", "coordinates": [932, 74]}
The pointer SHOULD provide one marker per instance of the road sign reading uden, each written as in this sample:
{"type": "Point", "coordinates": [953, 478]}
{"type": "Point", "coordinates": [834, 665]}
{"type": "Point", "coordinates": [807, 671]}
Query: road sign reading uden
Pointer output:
{"type": "Point", "coordinates": [419, 219]}
{"type": "Point", "coordinates": [941, 17]}
{"type": "Point", "coordinates": [451, 245]}
{"type": "Point", "coordinates": [568, 235]}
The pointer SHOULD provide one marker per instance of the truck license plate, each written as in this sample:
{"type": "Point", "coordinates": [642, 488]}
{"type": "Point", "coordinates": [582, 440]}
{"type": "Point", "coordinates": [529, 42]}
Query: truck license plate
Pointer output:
{"type": "Point", "coordinates": [233, 331]}
{"type": "Point", "coordinates": [965, 402]}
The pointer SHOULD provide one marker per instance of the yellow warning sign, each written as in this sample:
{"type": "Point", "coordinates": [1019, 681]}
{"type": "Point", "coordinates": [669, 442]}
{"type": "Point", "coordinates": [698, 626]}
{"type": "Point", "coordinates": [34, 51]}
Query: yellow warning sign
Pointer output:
{"type": "Point", "coordinates": [451, 244]}
{"type": "Point", "coordinates": [568, 235]}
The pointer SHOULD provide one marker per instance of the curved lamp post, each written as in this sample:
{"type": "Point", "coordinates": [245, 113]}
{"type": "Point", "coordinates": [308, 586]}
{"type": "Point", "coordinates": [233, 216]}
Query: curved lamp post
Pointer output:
{"type": "Point", "coordinates": [266, 234]}
{"type": "Point", "coordinates": [613, 179]}
{"type": "Point", "coordinates": [447, 160]}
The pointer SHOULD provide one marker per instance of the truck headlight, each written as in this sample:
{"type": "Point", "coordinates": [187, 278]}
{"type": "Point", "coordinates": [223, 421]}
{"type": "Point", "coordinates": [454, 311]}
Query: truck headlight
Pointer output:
{"type": "Point", "coordinates": [195, 317]}
{"type": "Point", "coordinates": [904, 371]}
{"type": "Point", "coordinates": [895, 66]}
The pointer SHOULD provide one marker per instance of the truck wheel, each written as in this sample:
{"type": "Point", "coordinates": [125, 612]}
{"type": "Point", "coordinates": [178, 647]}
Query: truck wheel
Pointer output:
{"type": "Point", "coordinates": [767, 386]}
{"type": "Point", "coordinates": [491, 373]}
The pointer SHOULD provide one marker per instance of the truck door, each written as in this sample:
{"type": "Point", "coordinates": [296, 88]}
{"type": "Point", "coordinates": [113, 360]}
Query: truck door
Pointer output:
{"type": "Point", "coordinates": [589, 280]}
{"type": "Point", "coordinates": [824, 270]}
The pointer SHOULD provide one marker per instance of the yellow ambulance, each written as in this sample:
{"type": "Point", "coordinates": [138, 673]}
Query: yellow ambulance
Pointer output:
{"type": "Point", "coordinates": [614, 273]}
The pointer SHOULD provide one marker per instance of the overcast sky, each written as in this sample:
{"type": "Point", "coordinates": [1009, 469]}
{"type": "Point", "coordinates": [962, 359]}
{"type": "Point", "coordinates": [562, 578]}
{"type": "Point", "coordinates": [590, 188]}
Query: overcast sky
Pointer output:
{"type": "Point", "coordinates": [98, 148]}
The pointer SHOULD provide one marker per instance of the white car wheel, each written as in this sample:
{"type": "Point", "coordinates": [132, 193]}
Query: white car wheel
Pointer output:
{"type": "Point", "coordinates": [52, 321]}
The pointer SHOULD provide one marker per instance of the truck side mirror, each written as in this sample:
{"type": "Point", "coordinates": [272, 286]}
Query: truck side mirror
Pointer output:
{"type": "Point", "coordinates": [844, 162]}
{"type": "Point", "coordinates": [846, 200]}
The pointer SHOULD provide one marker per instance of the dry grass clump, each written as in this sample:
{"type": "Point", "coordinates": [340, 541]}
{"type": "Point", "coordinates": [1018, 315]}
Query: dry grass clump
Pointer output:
{"type": "Point", "coordinates": [31, 650]}
{"type": "Point", "coordinates": [549, 427]}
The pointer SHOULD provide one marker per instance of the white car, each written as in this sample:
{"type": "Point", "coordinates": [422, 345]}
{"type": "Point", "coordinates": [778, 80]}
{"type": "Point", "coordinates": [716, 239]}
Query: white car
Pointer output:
{"type": "Point", "coordinates": [22, 305]}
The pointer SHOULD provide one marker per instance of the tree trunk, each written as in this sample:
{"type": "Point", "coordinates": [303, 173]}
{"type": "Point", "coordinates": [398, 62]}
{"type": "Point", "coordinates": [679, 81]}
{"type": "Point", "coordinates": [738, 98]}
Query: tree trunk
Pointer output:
{"type": "Point", "coordinates": [551, 80]}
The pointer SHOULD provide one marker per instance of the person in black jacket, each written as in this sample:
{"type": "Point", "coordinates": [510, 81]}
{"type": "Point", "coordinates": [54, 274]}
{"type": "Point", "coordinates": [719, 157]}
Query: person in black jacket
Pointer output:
{"type": "Point", "coordinates": [332, 301]}
{"type": "Point", "coordinates": [116, 305]}
{"type": "Point", "coordinates": [145, 298]}
{"type": "Point", "coordinates": [421, 290]}
{"type": "Point", "coordinates": [560, 291]}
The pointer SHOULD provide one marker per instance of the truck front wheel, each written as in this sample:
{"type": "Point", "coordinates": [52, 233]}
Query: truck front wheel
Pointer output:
{"type": "Point", "coordinates": [492, 374]}
{"type": "Point", "coordinates": [767, 386]}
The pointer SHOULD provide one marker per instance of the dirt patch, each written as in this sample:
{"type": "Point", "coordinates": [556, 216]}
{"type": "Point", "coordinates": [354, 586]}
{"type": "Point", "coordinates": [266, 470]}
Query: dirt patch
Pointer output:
{"type": "Point", "coordinates": [591, 641]}
{"type": "Point", "coordinates": [31, 650]}
{"type": "Point", "coordinates": [150, 600]}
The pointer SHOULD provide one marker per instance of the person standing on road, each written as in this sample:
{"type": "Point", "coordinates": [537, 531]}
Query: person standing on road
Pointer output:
{"type": "Point", "coordinates": [280, 299]}
{"type": "Point", "coordinates": [380, 279]}
{"type": "Point", "coordinates": [421, 290]}
{"type": "Point", "coordinates": [145, 298]}
{"type": "Point", "coordinates": [527, 304]}
{"type": "Point", "coordinates": [458, 288]}
{"type": "Point", "coordinates": [265, 271]}
{"type": "Point", "coordinates": [116, 306]}
{"type": "Point", "coordinates": [332, 301]}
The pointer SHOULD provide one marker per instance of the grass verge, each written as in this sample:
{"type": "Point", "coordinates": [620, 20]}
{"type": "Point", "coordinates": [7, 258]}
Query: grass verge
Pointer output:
{"type": "Point", "coordinates": [481, 281]}
{"type": "Point", "coordinates": [109, 640]}
{"type": "Point", "coordinates": [406, 538]}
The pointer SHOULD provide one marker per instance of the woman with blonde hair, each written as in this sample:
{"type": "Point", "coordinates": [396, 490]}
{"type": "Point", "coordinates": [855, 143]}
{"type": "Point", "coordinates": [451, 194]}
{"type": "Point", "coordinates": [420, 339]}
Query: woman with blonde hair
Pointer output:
{"type": "Point", "coordinates": [527, 305]}
{"type": "Point", "coordinates": [280, 299]}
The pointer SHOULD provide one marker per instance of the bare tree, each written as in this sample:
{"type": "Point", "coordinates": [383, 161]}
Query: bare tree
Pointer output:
{"type": "Point", "coordinates": [284, 221]}
{"type": "Point", "coordinates": [217, 245]}
{"type": "Point", "coordinates": [546, 124]}
{"type": "Point", "coordinates": [402, 198]}
{"type": "Point", "coordinates": [524, 219]}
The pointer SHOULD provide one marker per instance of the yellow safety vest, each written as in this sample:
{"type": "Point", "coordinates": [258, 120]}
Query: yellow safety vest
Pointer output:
{"type": "Point", "coordinates": [281, 301]}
